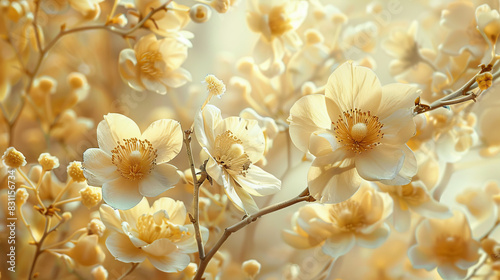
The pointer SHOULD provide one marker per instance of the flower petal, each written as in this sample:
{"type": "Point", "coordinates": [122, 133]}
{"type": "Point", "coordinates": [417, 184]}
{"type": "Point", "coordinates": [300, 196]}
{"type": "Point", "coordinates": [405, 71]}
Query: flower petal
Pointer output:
{"type": "Point", "coordinates": [374, 239]}
{"type": "Point", "coordinates": [121, 193]}
{"type": "Point", "coordinates": [123, 250]}
{"type": "Point", "coordinates": [98, 168]}
{"type": "Point", "coordinates": [175, 209]}
{"type": "Point", "coordinates": [382, 163]}
{"type": "Point", "coordinates": [110, 218]}
{"type": "Point", "coordinates": [188, 243]}
{"type": "Point", "coordinates": [395, 97]}
{"type": "Point", "coordinates": [398, 127]}
{"type": "Point", "coordinates": [420, 259]}
{"type": "Point", "coordinates": [351, 87]}
{"type": "Point", "coordinates": [258, 182]}
{"type": "Point", "coordinates": [249, 132]}
{"type": "Point", "coordinates": [174, 262]}
{"type": "Point", "coordinates": [408, 170]}
{"type": "Point", "coordinates": [332, 178]}
{"type": "Point", "coordinates": [162, 178]}
{"type": "Point", "coordinates": [308, 115]}
{"type": "Point", "coordinates": [165, 136]}
{"type": "Point", "coordinates": [132, 215]}
{"type": "Point", "coordinates": [449, 271]}
{"type": "Point", "coordinates": [113, 129]}
{"type": "Point", "coordinates": [204, 124]}
{"type": "Point", "coordinates": [339, 244]}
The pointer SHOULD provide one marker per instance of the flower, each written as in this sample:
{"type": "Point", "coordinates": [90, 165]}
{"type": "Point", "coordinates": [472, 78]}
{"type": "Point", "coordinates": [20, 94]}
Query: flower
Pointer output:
{"type": "Point", "coordinates": [158, 233]}
{"type": "Point", "coordinates": [86, 251]}
{"type": "Point", "coordinates": [445, 244]}
{"type": "Point", "coordinates": [338, 227]}
{"type": "Point", "coordinates": [488, 23]}
{"type": "Point", "coordinates": [129, 165]}
{"type": "Point", "coordinates": [233, 145]}
{"type": "Point", "coordinates": [277, 22]}
{"type": "Point", "coordinates": [166, 23]}
{"type": "Point", "coordinates": [154, 64]}
{"type": "Point", "coordinates": [358, 129]}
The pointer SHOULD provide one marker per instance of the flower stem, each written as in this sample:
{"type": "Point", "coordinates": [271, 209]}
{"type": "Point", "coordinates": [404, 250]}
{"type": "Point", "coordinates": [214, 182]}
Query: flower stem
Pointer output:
{"type": "Point", "coordinates": [303, 196]}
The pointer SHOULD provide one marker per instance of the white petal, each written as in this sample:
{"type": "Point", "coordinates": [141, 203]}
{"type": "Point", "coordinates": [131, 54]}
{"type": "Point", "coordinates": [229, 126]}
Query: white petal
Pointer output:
{"type": "Point", "coordinates": [165, 136]}
{"type": "Point", "coordinates": [115, 128]}
{"type": "Point", "coordinates": [382, 163]}
{"type": "Point", "coordinates": [204, 124]}
{"type": "Point", "coordinates": [398, 127]}
{"type": "Point", "coordinates": [177, 78]}
{"type": "Point", "coordinates": [98, 168]}
{"type": "Point", "coordinates": [258, 182]}
{"type": "Point", "coordinates": [351, 87]}
{"type": "Point", "coordinates": [395, 97]}
{"type": "Point", "coordinates": [160, 247]}
{"type": "Point", "coordinates": [162, 178]}
{"type": "Point", "coordinates": [331, 182]}
{"type": "Point", "coordinates": [215, 171]}
{"type": "Point", "coordinates": [419, 259]}
{"type": "Point", "coordinates": [188, 243]}
{"type": "Point", "coordinates": [175, 209]}
{"type": "Point", "coordinates": [122, 249]}
{"type": "Point", "coordinates": [110, 218]}
{"type": "Point", "coordinates": [126, 63]}
{"type": "Point", "coordinates": [121, 193]}
{"type": "Point", "coordinates": [374, 239]}
{"type": "Point", "coordinates": [154, 85]}
{"type": "Point", "coordinates": [173, 262]}
{"type": "Point", "coordinates": [295, 240]}
{"type": "Point", "coordinates": [322, 144]}
{"type": "Point", "coordinates": [408, 170]}
{"type": "Point", "coordinates": [249, 205]}
{"type": "Point", "coordinates": [339, 244]}
{"type": "Point", "coordinates": [132, 215]}
{"type": "Point", "coordinates": [451, 272]}
{"type": "Point", "coordinates": [249, 132]}
{"type": "Point", "coordinates": [401, 218]}
{"type": "Point", "coordinates": [308, 115]}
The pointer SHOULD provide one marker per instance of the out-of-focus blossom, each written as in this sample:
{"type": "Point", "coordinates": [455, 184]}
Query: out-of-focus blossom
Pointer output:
{"type": "Point", "coordinates": [445, 244]}
{"type": "Point", "coordinates": [158, 233]}
{"type": "Point", "coordinates": [360, 220]}
{"type": "Point", "coordinates": [488, 23]}
{"type": "Point", "coordinates": [86, 251]}
{"type": "Point", "coordinates": [362, 36]}
{"type": "Point", "coordinates": [488, 130]}
{"type": "Point", "coordinates": [130, 165]}
{"type": "Point", "coordinates": [358, 129]}
{"type": "Point", "coordinates": [166, 23]}
{"type": "Point", "coordinates": [276, 21]}
{"type": "Point", "coordinates": [413, 196]}
{"type": "Point", "coordinates": [154, 64]}
{"type": "Point", "coordinates": [90, 9]}
{"type": "Point", "coordinates": [233, 145]}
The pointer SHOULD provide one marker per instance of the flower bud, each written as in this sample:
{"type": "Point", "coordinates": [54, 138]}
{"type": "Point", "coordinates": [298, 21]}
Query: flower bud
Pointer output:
{"type": "Point", "coordinates": [21, 196]}
{"type": "Point", "coordinates": [96, 227]}
{"type": "Point", "coordinates": [13, 158]}
{"type": "Point", "coordinates": [48, 162]}
{"type": "Point", "coordinates": [251, 268]}
{"type": "Point", "coordinates": [200, 13]}
{"type": "Point", "coordinates": [75, 171]}
{"type": "Point", "coordinates": [99, 273]}
{"type": "Point", "coordinates": [91, 196]}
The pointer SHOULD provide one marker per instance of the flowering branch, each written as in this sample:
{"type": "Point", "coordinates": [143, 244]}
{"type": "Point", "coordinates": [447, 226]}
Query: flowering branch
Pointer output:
{"type": "Point", "coordinates": [303, 196]}
{"type": "Point", "coordinates": [196, 194]}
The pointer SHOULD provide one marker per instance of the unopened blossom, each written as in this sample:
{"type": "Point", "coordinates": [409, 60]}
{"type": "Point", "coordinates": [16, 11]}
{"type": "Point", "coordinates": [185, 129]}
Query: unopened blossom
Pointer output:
{"type": "Point", "coordinates": [357, 129]}
{"type": "Point", "coordinates": [276, 21]}
{"type": "Point", "coordinates": [488, 23]}
{"type": "Point", "coordinates": [445, 244]}
{"type": "Point", "coordinates": [415, 197]}
{"type": "Point", "coordinates": [200, 13]}
{"type": "Point", "coordinates": [360, 220]}
{"type": "Point", "coordinates": [232, 146]}
{"type": "Point", "coordinates": [86, 252]}
{"type": "Point", "coordinates": [130, 165]}
{"type": "Point", "coordinates": [13, 158]}
{"type": "Point", "coordinates": [158, 233]}
{"type": "Point", "coordinates": [154, 64]}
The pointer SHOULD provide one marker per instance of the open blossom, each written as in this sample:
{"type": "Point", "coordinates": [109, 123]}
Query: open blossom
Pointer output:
{"type": "Point", "coordinates": [445, 244]}
{"type": "Point", "coordinates": [167, 23]}
{"type": "Point", "coordinates": [338, 227]}
{"type": "Point", "coordinates": [358, 129]}
{"type": "Point", "coordinates": [277, 22]}
{"type": "Point", "coordinates": [158, 233]}
{"type": "Point", "coordinates": [130, 165]}
{"type": "Point", "coordinates": [154, 64]}
{"type": "Point", "coordinates": [233, 146]}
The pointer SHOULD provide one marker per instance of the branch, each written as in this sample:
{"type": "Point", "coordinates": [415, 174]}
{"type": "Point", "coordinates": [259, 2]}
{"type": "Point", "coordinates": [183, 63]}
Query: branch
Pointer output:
{"type": "Point", "coordinates": [196, 195]}
{"type": "Point", "coordinates": [303, 196]}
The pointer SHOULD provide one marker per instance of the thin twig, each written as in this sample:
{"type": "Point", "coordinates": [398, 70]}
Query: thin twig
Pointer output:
{"type": "Point", "coordinates": [196, 195]}
{"type": "Point", "coordinates": [132, 268]}
{"type": "Point", "coordinates": [303, 196]}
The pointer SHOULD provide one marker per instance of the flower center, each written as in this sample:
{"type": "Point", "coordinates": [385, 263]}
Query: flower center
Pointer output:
{"type": "Point", "coordinates": [449, 246]}
{"type": "Point", "coordinates": [157, 226]}
{"type": "Point", "coordinates": [348, 215]}
{"type": "Point", "coordinates": [279, 22]}
{"type": "Point", "coordinates": [134, 159]}
{"type": "Point", "coordinates": [229, 153]}
{"type": "Point", "coordinates": [358, 131]}
{"type": "Point", "coordinates": [149, 63]}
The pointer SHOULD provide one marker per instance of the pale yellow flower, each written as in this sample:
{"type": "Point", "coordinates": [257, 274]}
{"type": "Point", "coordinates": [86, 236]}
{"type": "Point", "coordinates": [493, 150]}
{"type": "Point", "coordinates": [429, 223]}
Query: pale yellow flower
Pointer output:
{"type": "Point", "coordinates": [358, 129]}
{"type": "Point", "coordinates": [233, 145]}
{"type": "Point", "coordinates": [276, 21]}
{"type": "Point", "coordinates": [154, 64]}
{"type": "Point", "coordinates": [158, 233]}
{"type": "Point", "coordinates": [166, 23]}
{"type": "Point", "coordinates": [445, 244]}
{"type": "Point", "coordinates": [402, 45]}
{"type": "Point", "coordinates": [86, 251]}
{"type": "Point", "coordinates": [130, 165]}
{"type": "Point", "coordinates": [413, 196]}
{"type": "Point", "coordinates": [488, 23]}
{"type": "Point", "coordinates": [361, 221]}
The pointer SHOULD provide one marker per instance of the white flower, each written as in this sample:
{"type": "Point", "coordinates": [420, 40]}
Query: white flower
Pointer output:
{"type": "Point", "coordinates": [154, 64]}
{"type": "Point", "coordinates": [158, 233]}
{"type": "Point", "coordinates": [233, 145]}
{"type": "Point", "coordinates": [129, 165]}
{"type": "Point", "coordinates": [358, 129]}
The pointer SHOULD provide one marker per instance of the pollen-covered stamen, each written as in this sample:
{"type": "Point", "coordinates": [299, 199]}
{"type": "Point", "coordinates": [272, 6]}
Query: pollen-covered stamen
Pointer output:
{"type": "Point", "coordinates": [348, 215]}
{"type": "Point", "coordinates": [229, 153]}
{"type": "Point", "coordinates": [134, 158]}
{"type": "Point", "coordinates": [152, 227]}
{"type": "Point", "coordinates": [149, 62]}
{"type": "Point", "coordinates": [358, 131]}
